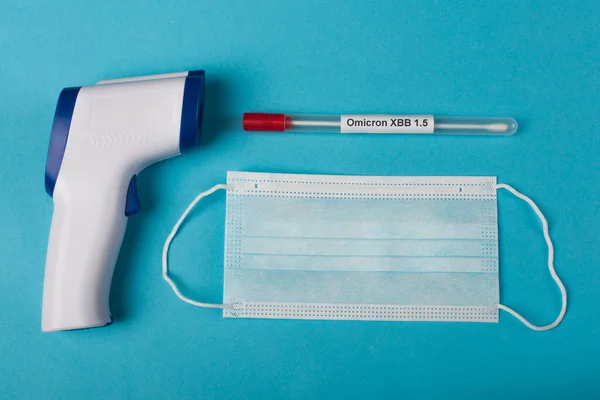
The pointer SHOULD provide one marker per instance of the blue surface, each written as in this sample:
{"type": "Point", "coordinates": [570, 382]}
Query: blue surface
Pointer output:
{"type": "Point", "coordinates": [535, 60]}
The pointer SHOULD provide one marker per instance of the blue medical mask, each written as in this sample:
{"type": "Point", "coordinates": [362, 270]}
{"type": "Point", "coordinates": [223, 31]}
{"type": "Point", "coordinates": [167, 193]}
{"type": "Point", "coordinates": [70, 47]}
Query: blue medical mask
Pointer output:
{"type": "Point", "coordinates": [362, 248]}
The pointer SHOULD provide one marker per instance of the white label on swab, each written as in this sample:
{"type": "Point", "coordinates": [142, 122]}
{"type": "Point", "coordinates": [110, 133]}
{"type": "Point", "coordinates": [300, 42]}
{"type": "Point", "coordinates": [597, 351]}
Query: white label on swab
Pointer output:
{"type": "Point", "coordinates": [375, 123]}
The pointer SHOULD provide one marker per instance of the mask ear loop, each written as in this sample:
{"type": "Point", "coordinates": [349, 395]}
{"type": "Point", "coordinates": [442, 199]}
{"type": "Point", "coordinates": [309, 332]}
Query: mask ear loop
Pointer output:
{"type": "Point", "coordinates": [559, 283]}
{"type": "Point", "coordinates": [165, 268]}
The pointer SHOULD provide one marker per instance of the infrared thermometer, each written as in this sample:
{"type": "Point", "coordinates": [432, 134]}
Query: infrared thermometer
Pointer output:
{"type": "Point", "coordinates": [102, 137]}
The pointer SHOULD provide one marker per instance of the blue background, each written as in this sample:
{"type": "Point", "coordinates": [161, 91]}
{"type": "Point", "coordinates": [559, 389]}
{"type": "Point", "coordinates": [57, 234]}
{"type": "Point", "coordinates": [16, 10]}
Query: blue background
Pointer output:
{"type": "Point", "coordinates": [535, 60]}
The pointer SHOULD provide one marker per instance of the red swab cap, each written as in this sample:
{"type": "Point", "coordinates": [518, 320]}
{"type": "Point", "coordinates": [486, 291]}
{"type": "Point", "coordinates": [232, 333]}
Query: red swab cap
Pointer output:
{"type": "Point", "coordinates": [263, 122]}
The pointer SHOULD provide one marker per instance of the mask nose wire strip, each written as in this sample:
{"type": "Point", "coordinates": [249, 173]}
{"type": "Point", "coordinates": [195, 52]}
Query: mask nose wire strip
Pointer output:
{"type": "Point", "coordinates": [165, 268]}
{"type": "Point", "coordinates": [559, 283]}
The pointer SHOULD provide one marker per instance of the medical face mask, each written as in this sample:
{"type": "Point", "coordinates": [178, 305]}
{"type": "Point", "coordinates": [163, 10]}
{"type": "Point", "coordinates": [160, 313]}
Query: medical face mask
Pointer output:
{"type": "Point", "coordinates": [362, 248]}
